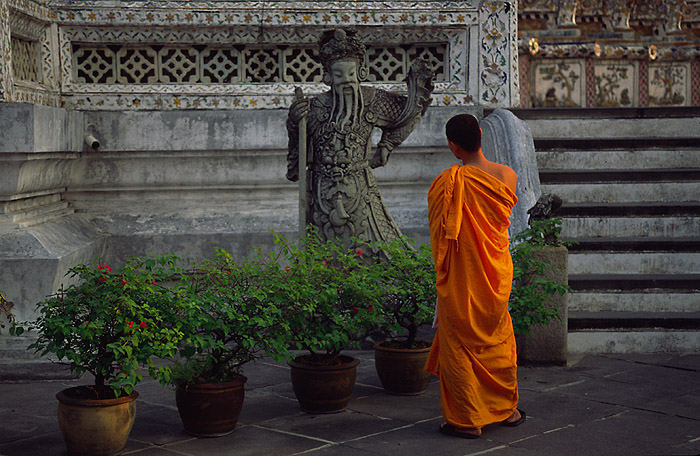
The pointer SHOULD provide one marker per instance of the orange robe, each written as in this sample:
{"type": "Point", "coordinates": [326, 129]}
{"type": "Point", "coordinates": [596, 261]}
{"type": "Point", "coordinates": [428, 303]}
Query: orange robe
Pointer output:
{"type": "Point", "coordinates": [473, 352]}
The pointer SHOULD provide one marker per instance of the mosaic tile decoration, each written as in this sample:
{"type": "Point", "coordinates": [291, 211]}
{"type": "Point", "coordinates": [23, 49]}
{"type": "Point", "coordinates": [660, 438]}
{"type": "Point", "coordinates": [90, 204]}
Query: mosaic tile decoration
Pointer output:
{"type": "Point", "coordinates": [211, 77]}
{"type": "Point", "coordinates": [615, 84]}
{"type": "Point", "coordinates": [558, 83]}
{"type": "Point", "coordinates": [669, 84]}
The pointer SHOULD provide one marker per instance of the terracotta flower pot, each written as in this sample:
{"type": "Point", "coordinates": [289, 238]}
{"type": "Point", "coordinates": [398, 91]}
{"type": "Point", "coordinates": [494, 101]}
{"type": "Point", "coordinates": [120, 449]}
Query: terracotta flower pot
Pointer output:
{"type": "Point", "coordinates": [94, 427]}
{"type": "Point", "coordinates": [321, 388]}
{"type": "Point", "coordinates": [402, 370]}
{"type": "Point", "coordinates": [211, 409]}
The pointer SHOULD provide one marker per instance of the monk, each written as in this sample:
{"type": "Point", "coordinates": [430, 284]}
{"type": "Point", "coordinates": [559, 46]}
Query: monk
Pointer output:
{"type": "Point", "coordinates": [473, 352]}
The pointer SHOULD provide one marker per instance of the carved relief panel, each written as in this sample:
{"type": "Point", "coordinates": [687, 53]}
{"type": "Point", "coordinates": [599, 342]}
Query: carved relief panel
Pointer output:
{"type": "Point", "coordinates": [669, 84]}
{"type": "Point", "coordinates": [558, 83]}
{"type": "Point", "coordinates": [615, 84]}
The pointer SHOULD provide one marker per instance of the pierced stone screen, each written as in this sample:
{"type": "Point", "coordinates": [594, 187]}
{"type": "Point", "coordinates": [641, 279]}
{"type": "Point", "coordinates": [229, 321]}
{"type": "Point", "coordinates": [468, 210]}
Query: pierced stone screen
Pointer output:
{"type": "Point", "coordinates": [208, 64]}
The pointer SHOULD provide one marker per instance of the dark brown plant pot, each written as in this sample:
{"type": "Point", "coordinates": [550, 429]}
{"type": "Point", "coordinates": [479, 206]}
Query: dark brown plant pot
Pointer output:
{"type": "Point", "coordinates": [323, 388]}
{"type": "Point", "coordinates": [402, 370]}
{"type": "Point", "coordinates": [210, 409]}
{"type": "Point", "coordinates": [94, 427]}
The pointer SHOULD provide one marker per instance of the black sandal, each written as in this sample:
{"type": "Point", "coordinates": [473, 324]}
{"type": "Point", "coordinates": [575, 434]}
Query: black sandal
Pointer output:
{"type": "Point", "coordinates": [517, 422]}
{"type": "Point", "coordinates": [448, 429]}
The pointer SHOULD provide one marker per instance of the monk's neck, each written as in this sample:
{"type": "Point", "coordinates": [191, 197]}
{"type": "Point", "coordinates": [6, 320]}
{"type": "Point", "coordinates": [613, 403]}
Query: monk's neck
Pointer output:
{"type": "Point", "coordinates": [474, 159]}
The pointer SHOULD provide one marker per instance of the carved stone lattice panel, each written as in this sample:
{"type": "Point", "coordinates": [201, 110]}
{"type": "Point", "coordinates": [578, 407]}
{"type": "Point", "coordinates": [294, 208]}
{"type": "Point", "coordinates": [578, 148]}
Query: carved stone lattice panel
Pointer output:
{"type": "Point", "coordinates": [669, 84]}
{"type": "Point", "coordinates": [615, 84]}
{"type": "Point", "coordinates": [137, 65]}
{"type": "Point", "coordinates": [95, 65]}
{"type": "Point", "coordinates": [220, 65]}
{"type": "Point", "coordinates": [26, 56]}
{"type": "Point", "coordinates": [301, 65]}
{"type": "Point", "coordinates": [5, 61]}
{"type": "Point", "coordinates": [558, 83]}
{"type": "Point", "coordinates": [178, 64]}
{"type": "Point", "coordinates": [386, 64]}
{"type": "Point", "coordinates": [435, 54]}
{"type": "Point", "coordinates": [261, 65]}
{"type": "Point", "coordinates": [187, 64]}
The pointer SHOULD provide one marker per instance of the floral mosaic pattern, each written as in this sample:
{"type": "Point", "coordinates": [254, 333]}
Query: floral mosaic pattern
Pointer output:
{"type": "Point", "coordinates": [497, 73]}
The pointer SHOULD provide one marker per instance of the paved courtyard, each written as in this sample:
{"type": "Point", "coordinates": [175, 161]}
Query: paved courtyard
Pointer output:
{"type": "Point", "coordinates": [598, 405]}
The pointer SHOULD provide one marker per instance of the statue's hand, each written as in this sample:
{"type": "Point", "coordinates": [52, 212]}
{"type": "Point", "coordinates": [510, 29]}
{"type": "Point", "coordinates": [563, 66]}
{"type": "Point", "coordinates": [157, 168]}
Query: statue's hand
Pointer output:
{"type": "Point", "coordinates": [381, 156]}
{"type": "Point", "coordinates": [299, 109]}
{"type": "Point", "coordinates": [293, 174]}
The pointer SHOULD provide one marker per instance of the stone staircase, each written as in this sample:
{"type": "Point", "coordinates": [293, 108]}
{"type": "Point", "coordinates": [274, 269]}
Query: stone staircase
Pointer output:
{"type": "Point", "coordinates": [630, 182]}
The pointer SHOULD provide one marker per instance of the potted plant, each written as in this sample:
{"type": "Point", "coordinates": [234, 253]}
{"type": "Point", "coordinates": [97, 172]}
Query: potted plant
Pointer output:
{"type": "Point", "coordinates": [539, 292]}
{"type": "Point", "coordinates": [329, 300]}
{"type": "Point", "coordinates": [107, 324]}
{"type": "Point", "coordinates": [407, 278]}
{"type": "Point", "coordinates": [227, 322]}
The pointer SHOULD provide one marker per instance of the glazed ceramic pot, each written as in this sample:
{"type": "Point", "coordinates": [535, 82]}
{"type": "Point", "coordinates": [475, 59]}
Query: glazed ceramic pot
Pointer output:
{"type": "Point", "coordinates": [323, 388]}
{"type": "Point", "coordinates": [211, 409]}
{"type": "Point", "coordinates": [94, 427]}
{"type": "Point", "coordinates": [402, 370]}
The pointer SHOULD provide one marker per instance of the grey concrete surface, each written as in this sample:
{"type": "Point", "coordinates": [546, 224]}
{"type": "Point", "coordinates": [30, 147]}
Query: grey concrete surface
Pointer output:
{"type": "Point", "coordinates": [598, 405]}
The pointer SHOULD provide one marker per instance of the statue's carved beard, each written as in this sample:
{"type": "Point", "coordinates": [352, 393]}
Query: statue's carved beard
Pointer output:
{"type": "Point", "coordinates": [347, 105]}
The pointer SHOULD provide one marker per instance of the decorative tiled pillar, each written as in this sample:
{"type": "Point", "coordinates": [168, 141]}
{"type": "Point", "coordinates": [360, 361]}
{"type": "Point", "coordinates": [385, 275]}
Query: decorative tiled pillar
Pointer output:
{"type": "Point", "coordinates": [644, 83]}
{"type": "Point", "coordinates": [5, 56]}
{"type": "Point", "coordinates": [590, 83]}
{"type": "Point", "coordinates": [695, 83]}
{"type": "Point", "coordinates": [498, 68]}
{"type": "Point", "coordinates": [524, 63]}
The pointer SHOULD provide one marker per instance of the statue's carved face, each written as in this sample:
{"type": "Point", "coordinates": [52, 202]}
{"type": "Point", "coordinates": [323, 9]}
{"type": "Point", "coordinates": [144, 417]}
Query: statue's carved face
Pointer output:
{"type": "Point", "coordinates": [344, 74]}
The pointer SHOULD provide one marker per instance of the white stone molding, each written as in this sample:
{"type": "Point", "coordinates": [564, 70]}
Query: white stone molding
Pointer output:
{"type": "Point", "coordinates": [228, 51]}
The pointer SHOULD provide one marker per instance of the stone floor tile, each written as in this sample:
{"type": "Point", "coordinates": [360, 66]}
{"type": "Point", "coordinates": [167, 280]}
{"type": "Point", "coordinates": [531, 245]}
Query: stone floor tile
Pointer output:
{"type": "Point", "coordinates": [247, 441]}
{"type": "Point", "coordinates": [686, 405]}
{"type": "Point", "coordinates": [405, 409]}
{"type": "Point", "coordinates": [421, 438]}
{"type": "Point", "coordinates": [629, 432]}
{"type": "Point", "coordinates": [49, 444]}
{"type": "Point", "coordinates": [266, 372]}
{"type": "Point", "coordinates": [546, 378]}
{"type": "Point", "coordinates": [334, 427]}
{"type": "Point", "coordinates": [157, 424]}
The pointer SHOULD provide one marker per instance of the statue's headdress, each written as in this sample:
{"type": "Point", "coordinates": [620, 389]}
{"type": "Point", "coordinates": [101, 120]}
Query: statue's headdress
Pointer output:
{"type": "Point", "coordinates": [340, 44]}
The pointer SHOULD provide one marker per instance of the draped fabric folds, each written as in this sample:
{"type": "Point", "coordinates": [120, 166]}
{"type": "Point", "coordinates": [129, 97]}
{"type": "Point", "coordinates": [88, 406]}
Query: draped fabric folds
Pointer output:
{"type": "Point", "coordinates": [473, 352]}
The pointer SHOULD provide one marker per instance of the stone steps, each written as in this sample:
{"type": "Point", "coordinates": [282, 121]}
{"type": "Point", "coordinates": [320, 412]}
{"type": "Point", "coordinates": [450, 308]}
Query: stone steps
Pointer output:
{"type": "Point", "coordinates": [645, 300]}
{"type": "Point", "coordinates": [639, 228]}
{"type": "Point", "coordinates": [630, 183]}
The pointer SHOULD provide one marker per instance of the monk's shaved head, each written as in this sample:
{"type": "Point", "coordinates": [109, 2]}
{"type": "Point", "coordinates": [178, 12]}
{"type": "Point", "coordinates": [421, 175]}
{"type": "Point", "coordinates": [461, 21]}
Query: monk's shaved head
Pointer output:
{"type": "Point", "coordinates": [463, 130]}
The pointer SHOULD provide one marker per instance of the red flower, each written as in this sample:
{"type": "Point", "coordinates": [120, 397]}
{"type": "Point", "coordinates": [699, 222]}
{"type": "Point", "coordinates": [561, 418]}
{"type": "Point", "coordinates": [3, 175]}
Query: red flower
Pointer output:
{"type": "Point", "coordinates": [355, 309]}
{"type": "Point", "coordinates": [324, 262]}
{"type": "Point", "coordinates": [142, 324]}
{"type": "Point", "coordinates": [358, 251]}
{"type": "Point", "coordinates": [287, 268]}
{"type": "Point", "coordinates": [154, 282]}
{"type": "Point", "coordinates": [102, 279]}
{"type": "Point", "coordinates": [104, 267]}
{"type": "Point", "coordinates": [123, 282]}
{"type": "Point", "coordinates": [370, 308]}
{"type": "Point", "coordinates": [131, 324]}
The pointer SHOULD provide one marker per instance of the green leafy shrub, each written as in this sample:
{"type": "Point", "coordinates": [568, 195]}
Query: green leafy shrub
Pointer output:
{"type": "Point", "coordinates": [109, 323]}
{"type": "Point", "coordinates": [407, 279]}
{"type": "Point", "coordinates": [226, 318]}
{"type": "Point", "coordinates": [329, 298]}
{"type": "Point", "coordinates": [531, 289]}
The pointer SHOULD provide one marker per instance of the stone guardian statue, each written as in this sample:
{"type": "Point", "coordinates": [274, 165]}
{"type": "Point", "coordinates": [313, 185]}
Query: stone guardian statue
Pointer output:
{"type": "Point", "coordinates": [342, 198]}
